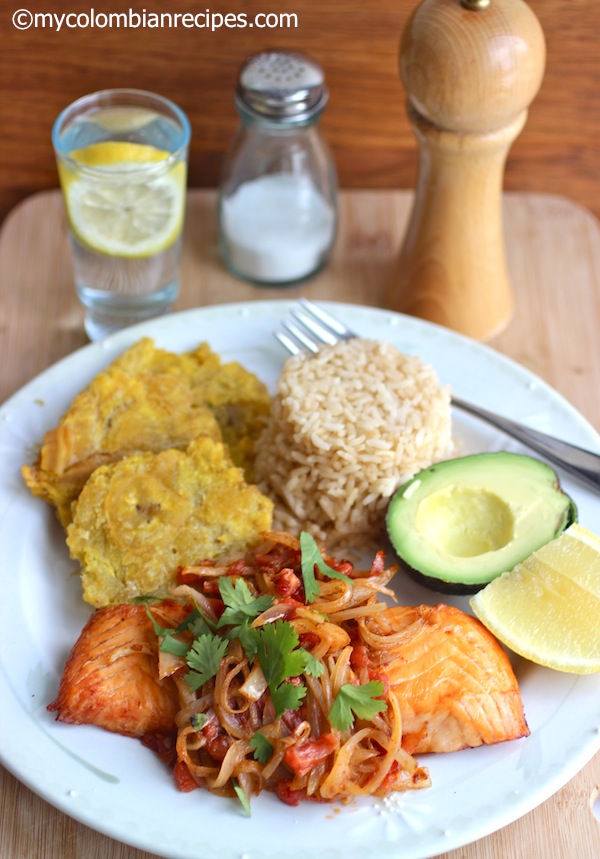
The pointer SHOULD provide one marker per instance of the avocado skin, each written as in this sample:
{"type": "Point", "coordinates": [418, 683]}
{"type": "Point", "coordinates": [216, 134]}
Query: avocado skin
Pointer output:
{"type": "Point", "coordinates": [453, 584]}
{"type": "Point", "coordinates": [440, 586]}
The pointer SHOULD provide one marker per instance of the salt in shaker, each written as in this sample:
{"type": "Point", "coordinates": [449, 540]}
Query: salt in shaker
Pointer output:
{"type": "Point", "coordinates": [277, 207]}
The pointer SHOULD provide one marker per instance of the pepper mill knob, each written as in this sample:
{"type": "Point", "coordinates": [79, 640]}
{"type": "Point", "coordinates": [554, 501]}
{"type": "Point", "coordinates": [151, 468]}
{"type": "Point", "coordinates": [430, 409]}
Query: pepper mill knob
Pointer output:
{"type": "Point", "coordinates": [471, 68]}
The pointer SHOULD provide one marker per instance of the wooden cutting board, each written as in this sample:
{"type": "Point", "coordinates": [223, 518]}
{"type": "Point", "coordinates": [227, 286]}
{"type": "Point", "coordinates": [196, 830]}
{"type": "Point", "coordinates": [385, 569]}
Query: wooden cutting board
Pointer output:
{"type": "Point", "coordinates": [553, 251]}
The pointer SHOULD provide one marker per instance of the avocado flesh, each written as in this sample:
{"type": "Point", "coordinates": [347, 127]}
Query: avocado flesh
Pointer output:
{"type": "Point", "coordinates": [461, 523]}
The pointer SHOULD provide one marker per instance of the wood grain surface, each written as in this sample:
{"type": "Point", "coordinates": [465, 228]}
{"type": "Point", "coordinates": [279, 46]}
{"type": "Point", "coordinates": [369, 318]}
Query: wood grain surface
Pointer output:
{"type": "Point", "coordinates": [553, 249]}
{"type": "Point", "coordinates": [42, 70]}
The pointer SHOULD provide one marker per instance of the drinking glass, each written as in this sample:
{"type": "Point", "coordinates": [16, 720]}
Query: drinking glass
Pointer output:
{"type": "Point", "coordinates": [122, 162]}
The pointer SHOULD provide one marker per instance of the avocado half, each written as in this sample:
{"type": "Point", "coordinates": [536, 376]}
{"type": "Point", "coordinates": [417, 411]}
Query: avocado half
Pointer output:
{"type": "Point", "coordinates": [459, 524]}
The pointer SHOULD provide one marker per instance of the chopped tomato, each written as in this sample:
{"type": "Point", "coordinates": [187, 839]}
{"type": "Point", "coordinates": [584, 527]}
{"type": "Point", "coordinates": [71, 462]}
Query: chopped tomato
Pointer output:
{"type": "Point", "coordinates": [210, 586]}
{"type": "Point", "coordinates": [183, 778]}
{"type": "Point", "coordinates": [277, 558]}
{"type": "Point", "coordinates": [359, 657]}
{"type": "Point", "coordinates": [302, 758]}
{"type": "Point", "coordinates": [217, 605]}
{"type": "Point", "coordinates": [287, 795]}
{"type": "Point", "coordinates": [218, 746]}
{"type": "Point", "coordinates": [388, 783]}
{"type": "Point", "coordinates": [308, 640]}
{"type": "Point", "coordinates": [286, 582]}
{"type": "Point", "coordinates": [239, 568]}
{"type": "Point", "coordinates": [185, 578]}
{"type": "Point", "coordinates": [217, 739]}
{"type": "Point", "coordinates": [378, 565]}
{"type": "Point", "coordinates": [344, 567]}
{"type": "Point", "coordinates": [411, 741]}
{"type": "Point", "coordinates": [162, 744]}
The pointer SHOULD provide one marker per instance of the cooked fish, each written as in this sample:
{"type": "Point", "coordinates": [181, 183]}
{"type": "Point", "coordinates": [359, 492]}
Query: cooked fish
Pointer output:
{"type": "Point", "coordinates": [454, 682]}
{"type": "Point", "coordinates": [136, 521]}
{"type": "Point", "coordinates": [111, 676]}
{"type": "Point", "coordinates": [149, 399]}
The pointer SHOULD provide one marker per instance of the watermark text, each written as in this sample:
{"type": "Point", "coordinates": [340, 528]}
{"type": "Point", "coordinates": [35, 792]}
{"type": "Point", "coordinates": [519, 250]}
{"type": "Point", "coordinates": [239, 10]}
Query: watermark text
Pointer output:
{"type": "Point", "coordinates": [132, 19]}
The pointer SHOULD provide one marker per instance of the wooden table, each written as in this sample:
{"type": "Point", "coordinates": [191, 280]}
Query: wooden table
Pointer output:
{"type": "Point", "coordinates": [554, 257]}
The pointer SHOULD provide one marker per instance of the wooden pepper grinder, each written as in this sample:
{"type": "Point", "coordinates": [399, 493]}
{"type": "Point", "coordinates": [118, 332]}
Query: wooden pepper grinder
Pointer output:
{"type": "Point", "coordinates": [471, 69]}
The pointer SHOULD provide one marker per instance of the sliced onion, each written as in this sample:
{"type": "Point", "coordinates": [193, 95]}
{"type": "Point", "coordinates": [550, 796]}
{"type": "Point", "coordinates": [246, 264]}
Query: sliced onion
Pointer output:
{"type": "Point", "coordinates": [233, 758]}
{"type": "Point", "coordinates": [199, 599]}
{"type": "Point", "coordinates": [255, 685]}
{"type": "Point", "coordinates": [169, 663]}
{"type": "Point", "coordinates": [275, 612]}
{"type": "Point", "coordinates": [204, 572]}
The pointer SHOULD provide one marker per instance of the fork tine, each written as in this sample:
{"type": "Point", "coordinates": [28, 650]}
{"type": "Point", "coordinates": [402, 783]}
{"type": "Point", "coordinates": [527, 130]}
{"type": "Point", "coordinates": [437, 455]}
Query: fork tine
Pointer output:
{"type": "Point", "coordinates": [288, 344]}
{"type": "Point", "coordinates": [330, 322]}
{"type": "Point", "coordinates": [311, 329]}
{"type": "Point", "coordinates": [314, 328]}
{"type": "Point", "coordinates": [300, 336]}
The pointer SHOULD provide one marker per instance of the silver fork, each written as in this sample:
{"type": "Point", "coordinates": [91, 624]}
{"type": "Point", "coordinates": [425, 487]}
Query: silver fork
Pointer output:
{"type": "Point", "coordinates": [312, 327]}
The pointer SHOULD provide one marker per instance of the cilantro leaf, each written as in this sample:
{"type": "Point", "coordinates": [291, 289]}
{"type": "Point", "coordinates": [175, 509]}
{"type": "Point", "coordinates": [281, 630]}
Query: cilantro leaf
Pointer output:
{"type": "Point", "coordinates": [286, 696]}
{"type": "Point", "coordinates": [247, 637]}
{"type": "Point", "coordinates": [262, 748]}
{"type": "Point", "coordinates": [204, 658]}
{"type": "Point", "coordinates": [313, 666]}
{"type": "Point", "coordinates": [169, 644]}
{"type": "Point", "coordinates": [311, 558]}
{"type": "Point", "coordinates": [146, 598]}
{"type": "Point", "coordinates": [198, 623]}
{"type": "Point", "coordinates": [239, 602]}
{"type": "Point", "coordinates": [353, 700]}
{"type": "Point", "coordinates": [198, 721]}
{"type": "Point", "coordinates": [242, 798]}
{"type": "Point", "coordinates": [275, 649]}
{"type": "Point", "coordinates": [280, 658]}
{"type": "Point", "coordinates": [158, 629]}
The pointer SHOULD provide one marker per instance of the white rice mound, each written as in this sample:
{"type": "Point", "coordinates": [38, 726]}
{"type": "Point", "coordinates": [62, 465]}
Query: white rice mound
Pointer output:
{"type": "Point", "coordinates": [348, 426]}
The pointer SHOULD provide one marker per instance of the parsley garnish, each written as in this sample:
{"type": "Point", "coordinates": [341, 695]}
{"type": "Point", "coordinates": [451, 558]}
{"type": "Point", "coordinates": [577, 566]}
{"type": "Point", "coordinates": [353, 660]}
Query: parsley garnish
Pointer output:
{"type": "Point", "coordinates": [242, 798]}
{"type": "Point", "coordinates": [204, 658]}
{"type": "Point", "coordinates": [280, 659]}
{"type": "Point", "coordinates": [241, 608]}
{"type": "Point", "coordinates": [361, 701]}
{"type": "Point", "coordinates": [198, 721]}
{"type": "Point", "coordinates": [277, 652]}
{"type": "Point", "coordinates": [311, 558]}
{"type": "Point", "coordinates": [262, 748]}
{"type": "Point", "coordinates": [174, 646]}
{"type": "Point", "coordinates": [240, 605]}
{"type": "Point", "coordinates": [314, 667]}
{"type": "Point", "coordinates": [196, 621]}
{"type": "Point", "coordinates": [286, 696]}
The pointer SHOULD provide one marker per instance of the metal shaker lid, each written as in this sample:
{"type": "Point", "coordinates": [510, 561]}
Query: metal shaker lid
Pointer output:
{"type": "Point", "coordinates": [281, 86]}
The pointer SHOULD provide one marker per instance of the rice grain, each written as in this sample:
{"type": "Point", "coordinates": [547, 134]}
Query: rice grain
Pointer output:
{"type": "Point", "coordinates": [347, 427]}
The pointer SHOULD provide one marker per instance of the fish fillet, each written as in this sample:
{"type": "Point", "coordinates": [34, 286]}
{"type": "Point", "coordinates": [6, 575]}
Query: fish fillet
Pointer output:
{"type": "Point", "coordinates": [454, 682]}
{"type": "Point", "coordinates": [111, 676]}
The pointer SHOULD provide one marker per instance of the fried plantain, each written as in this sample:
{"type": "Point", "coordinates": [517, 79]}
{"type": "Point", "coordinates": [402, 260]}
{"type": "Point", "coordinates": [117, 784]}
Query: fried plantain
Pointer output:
{"type": "Point", "coordinates": [148, 399]}
{"type": "Point", "coordinates": [136, 521]}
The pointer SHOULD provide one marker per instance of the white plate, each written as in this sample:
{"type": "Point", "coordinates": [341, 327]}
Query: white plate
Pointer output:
{"type": "Point", "coordinates": [116, 786]}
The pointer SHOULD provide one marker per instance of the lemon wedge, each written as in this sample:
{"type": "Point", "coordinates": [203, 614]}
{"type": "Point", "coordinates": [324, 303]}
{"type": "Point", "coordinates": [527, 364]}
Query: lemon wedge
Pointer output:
{"type": "Point", "coordinates": [130, 203]}
{"type": "Point", "coordinates": [547, 608]}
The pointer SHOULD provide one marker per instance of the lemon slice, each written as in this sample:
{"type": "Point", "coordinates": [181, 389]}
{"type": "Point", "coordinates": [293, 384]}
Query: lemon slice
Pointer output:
{"type": "Point", "coordinates": [547, 608]}
{"type": "Point", "coordinates": [126, 205]}
{"type": "Point", "coordinates": [122, 120]}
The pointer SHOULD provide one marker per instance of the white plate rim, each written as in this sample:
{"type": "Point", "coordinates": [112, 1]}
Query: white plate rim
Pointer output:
{"type": "Point", "coordinates": [388, 832]}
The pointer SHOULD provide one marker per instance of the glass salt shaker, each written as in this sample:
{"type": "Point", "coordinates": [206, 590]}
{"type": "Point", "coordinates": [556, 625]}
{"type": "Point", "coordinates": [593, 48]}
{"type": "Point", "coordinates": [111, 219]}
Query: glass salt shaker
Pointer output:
{"type": "Point", "coordinates": [278, 193]}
